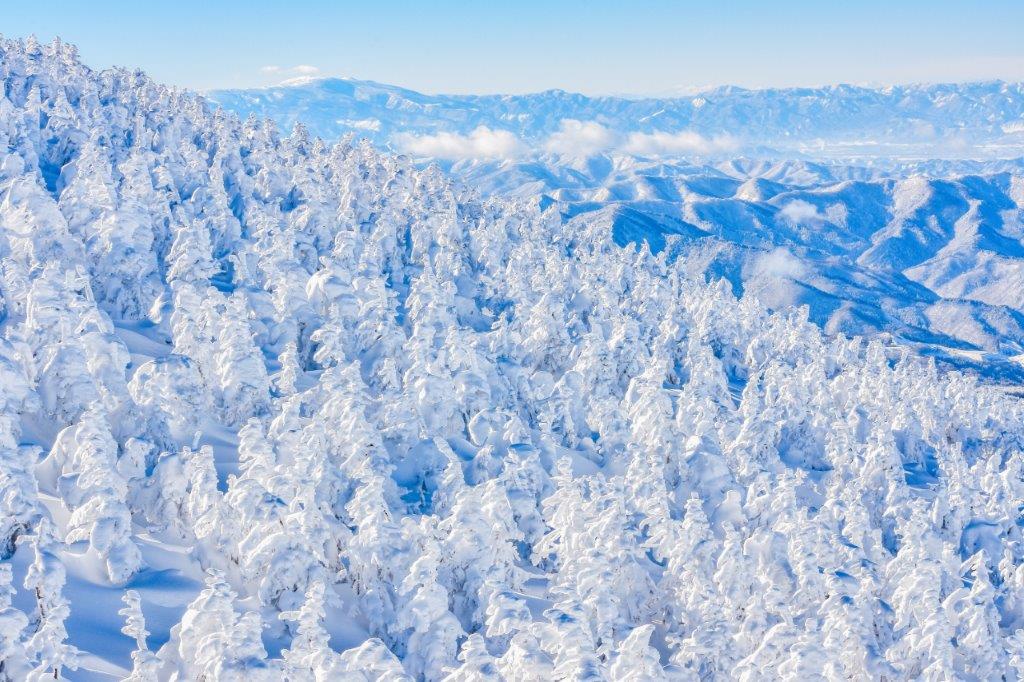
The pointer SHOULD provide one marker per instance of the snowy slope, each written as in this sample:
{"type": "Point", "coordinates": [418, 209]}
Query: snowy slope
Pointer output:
{"type": "Point", "coordinates": [307, 412]}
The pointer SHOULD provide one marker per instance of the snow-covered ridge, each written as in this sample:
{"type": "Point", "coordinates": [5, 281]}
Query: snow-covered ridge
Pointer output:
{"type": "Point", "coordinates": [973, 120]}
{"type": "Point", "coordinates": [309, 412]}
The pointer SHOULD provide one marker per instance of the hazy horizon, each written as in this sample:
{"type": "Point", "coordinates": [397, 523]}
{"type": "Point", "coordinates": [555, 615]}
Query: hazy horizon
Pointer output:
{"type": "Point", "coordinates": [678, 91]}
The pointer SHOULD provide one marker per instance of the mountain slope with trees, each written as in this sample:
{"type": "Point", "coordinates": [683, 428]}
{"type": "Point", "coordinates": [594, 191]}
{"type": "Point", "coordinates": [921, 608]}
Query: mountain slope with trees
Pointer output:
{"type": "Point", "coordinates": [277, 409]}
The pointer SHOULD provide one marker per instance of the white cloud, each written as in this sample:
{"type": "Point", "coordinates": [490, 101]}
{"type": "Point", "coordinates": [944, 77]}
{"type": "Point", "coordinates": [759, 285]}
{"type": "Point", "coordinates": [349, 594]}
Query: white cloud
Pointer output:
{"type": "Point", "coordinates": [581, 138]}
{"type": "Point", "coordinates": [360, 123]}
{"type": "Point", "coordinates": [585, 138]}
{"type": "Point", "coordinates": [922, 130]}
{"type": "Point", "coordinates": [799, 211]}
{"type": "Point", "coordinates": [573, 138]}
{"type": "Point", "coordinates": [1014, 127]}
{"type": "Point", "coordinates": [684, 142]}
{"type": "Point", "coordinates": [482, 143]}
{"type": "Point", "coordinates": [289, 71]}
{"type": "Point", "coordinates": [778, 263]}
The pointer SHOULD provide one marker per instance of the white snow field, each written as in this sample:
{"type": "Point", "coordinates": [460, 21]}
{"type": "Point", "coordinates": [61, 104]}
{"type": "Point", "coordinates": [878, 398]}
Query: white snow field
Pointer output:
{"type": "Point", "coordinates": [275, 409]}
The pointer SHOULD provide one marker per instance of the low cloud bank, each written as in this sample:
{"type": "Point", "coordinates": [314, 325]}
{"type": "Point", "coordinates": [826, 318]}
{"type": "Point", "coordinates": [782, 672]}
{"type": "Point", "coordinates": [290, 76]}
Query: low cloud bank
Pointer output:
{"type": "Point", "coordinates": [682, 143]}
{"type": "Point", "coordinates": [297, 70]}
{"type": "Point", "coordinates": [779, 263]}
{"type": "Point", "coordinates": [799, 212]}
{"type": "Point", "coordinates": [482, 143]}
{"type": "Point", "coordinates": [573, 138]}
{"type": "Point", "coordinates": [581, 138]}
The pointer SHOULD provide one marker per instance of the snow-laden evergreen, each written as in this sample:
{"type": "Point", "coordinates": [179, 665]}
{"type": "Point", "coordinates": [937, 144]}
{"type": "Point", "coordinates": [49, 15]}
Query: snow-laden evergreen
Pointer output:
{"type": "Point", "coordinates": [303, 412]}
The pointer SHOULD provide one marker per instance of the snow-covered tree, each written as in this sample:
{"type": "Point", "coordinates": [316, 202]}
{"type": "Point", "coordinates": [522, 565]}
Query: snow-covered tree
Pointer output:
{"type": "Point", "coordinates": [12, 629]}
{"type": "Point", "coordinates": [145, 665]}
{"type": "Point", "coordinates": [47, 645]}
{"type": "Point", "coordinates": [95, 493]}
{"type": "Point", "coordinates": [215, 641]}
{"type": "Point", "coordinates": [433, 632]}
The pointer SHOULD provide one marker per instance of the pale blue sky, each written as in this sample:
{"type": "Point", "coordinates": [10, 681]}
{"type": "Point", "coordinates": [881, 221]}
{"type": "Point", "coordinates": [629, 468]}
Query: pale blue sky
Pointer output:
{"type": "Point", "coordinates": [639, 47]}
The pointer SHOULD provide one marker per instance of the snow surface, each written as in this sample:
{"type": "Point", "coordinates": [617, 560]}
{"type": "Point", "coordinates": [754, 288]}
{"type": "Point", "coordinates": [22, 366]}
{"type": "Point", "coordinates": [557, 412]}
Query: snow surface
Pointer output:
{"type": "Point", "coordinates": [277, 409]}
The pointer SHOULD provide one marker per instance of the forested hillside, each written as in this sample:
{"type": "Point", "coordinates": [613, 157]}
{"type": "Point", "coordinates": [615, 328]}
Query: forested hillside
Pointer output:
{"type": "Point", "coordinates": [303, 411]}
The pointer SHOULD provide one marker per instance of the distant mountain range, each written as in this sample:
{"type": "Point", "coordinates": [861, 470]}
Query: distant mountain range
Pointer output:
{"type": "Point", "coordinates": [973, 120]}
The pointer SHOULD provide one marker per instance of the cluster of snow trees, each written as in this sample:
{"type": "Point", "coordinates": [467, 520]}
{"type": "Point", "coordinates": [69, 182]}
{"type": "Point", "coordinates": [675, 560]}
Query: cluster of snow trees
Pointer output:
{"type": "Point", "coordinates": [501, 446]}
